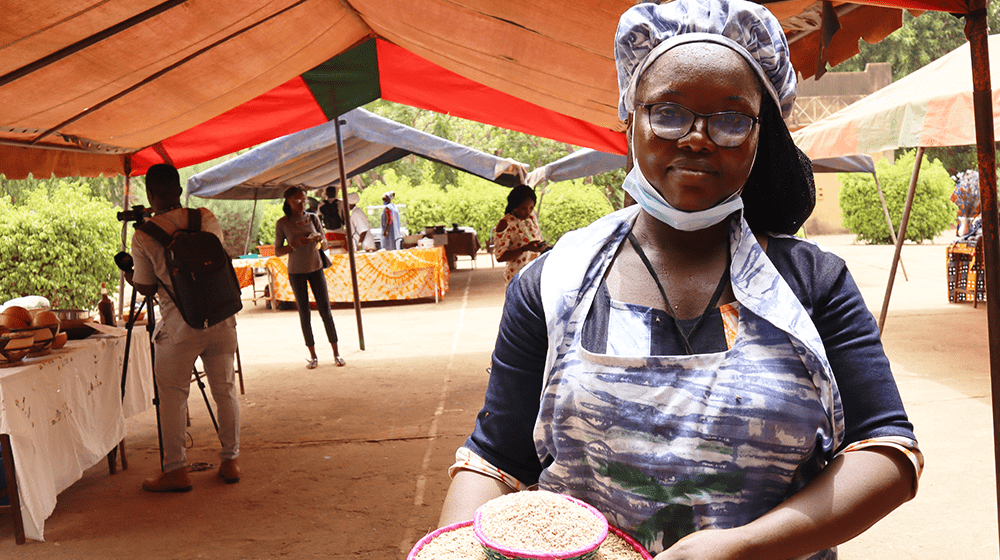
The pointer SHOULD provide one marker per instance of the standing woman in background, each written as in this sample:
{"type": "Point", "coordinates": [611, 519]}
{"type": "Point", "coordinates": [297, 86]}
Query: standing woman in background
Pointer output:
{"type": "Point", "coordinates": [518, 237]}
{"type": "Point", "coordinates": [303, 231]}
{"type": "Point", "coordinates": [392, 236]}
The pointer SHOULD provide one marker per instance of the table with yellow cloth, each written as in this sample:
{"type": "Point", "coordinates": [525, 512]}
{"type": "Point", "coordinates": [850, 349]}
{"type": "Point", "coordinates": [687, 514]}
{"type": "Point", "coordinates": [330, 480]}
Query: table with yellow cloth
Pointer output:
{"type": "Point", "coordinates": [382, 276]}
{"type": "Point", "coordinates": [244, 269]}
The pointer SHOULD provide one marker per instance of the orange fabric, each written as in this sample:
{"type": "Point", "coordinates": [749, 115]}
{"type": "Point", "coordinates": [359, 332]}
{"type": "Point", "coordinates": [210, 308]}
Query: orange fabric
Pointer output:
{"type": "Point", "coordinates": [204, 57]}
{"type": "Point", "coordinates": [382, 276]}
{"type": "Point", "coordinates": [244, 270]}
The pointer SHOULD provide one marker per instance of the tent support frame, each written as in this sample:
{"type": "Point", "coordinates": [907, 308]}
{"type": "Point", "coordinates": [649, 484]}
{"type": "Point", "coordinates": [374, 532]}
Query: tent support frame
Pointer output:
{"type": "Point", "coordinates": [901, 237]}
{"type": "Point", "coordinates": [976, 30]}
{"type": "Point", "coordinates": [350, 234]}
{"type": "Point", "coordinates": [892, 230]}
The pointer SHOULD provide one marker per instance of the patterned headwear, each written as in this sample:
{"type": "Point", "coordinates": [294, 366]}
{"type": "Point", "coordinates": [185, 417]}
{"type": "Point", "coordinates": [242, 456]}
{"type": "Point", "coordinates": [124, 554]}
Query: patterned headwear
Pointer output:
{"type": "Point", "coordinates": [648, 30]}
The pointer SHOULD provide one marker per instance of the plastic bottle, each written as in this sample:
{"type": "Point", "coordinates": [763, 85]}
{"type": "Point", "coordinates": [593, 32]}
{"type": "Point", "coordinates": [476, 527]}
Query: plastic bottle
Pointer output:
{"type": "Point", "coordinates": [105, 307]}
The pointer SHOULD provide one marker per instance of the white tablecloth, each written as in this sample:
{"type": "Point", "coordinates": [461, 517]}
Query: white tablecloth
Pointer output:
{"type": "Point", "coordinates": [64, 412]}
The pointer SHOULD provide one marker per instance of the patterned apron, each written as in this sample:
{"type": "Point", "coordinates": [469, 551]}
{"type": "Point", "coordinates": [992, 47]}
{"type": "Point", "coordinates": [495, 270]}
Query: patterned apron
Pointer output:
{"type": "Point", "coordinates": [667, 445]}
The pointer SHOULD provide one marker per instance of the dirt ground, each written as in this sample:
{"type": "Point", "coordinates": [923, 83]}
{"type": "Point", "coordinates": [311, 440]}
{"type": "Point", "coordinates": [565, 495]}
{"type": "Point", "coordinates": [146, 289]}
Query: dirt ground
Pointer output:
{"type": "Point", "coordinates": [351, 462]}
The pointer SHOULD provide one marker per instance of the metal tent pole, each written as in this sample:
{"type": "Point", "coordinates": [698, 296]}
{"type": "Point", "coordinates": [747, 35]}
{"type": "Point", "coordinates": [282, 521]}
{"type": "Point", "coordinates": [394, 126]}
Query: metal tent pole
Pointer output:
{"type": "Point", "coordinates": [126, 187]}
{"type": "Point", "coordinates": [347, 229]}
{"type": "Point", "coordinates": [888, 220]}
{"type": "Point", "coordinates": [976, 31]}
{"type": "Point", "coordinates": [902, 236]}
{"type": "Point", "coordinates": [253, 216]}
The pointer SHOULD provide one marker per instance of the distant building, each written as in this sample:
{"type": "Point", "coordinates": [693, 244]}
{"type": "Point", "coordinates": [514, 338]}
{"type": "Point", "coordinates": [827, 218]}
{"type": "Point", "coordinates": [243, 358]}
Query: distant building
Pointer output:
{"type": "Point", "coordinates": [818, 99]}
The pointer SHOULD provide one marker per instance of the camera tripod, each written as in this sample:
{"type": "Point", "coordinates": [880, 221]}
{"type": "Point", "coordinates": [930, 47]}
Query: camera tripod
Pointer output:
{"type": "Point", "coordinates": [150, 328]}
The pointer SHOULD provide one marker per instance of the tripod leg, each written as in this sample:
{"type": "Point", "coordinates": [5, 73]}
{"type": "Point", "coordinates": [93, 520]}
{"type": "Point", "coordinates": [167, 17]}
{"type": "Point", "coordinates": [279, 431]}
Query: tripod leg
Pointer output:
{"type": "Point", "coordinates": [239, 369]}
{"type": "Point", "coordinates": [120, 448]}
{"type": "Point", "coordinates": [150, 327]}
{"type": "Point", "coordinates": [201, 385]}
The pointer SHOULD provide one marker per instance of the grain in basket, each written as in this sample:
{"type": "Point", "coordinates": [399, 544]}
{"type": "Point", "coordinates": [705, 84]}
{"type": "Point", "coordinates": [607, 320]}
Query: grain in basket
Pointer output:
{"type": "Point", "coordinates": [458, 542]}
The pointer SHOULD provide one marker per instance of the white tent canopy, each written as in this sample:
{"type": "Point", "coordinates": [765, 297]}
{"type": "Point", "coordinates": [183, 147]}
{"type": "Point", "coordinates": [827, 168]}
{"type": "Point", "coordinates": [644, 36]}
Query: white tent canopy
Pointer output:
{"type": "Point", "coordinates": [929, 108]}
{"type": "Point", "coordinates": [309, 159]}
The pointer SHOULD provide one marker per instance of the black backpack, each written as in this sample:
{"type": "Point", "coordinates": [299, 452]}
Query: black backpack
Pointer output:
{"type": "Point", "coordinates": [330, 214]}
{"type": "Point", "coordinates": [206, 290]}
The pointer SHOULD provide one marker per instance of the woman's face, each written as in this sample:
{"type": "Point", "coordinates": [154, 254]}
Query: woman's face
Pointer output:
{"type": "Point", "coordinates": [524, 209]}
{"type": "Point", "coordinates": [298, 202]}
{"type": "Point", "coordinates": [693, 173]}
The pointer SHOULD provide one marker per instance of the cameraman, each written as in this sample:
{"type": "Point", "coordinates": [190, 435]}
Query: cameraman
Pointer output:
{"type": "Point", "coordinates": [178, 345]}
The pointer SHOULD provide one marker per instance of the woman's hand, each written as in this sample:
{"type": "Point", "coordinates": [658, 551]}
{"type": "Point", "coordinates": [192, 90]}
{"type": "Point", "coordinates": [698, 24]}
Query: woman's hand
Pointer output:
{"type": "Point", "coordinates": [307, 239]}
{"type": "Point", "coordinates": [851, 493]}
{"type": "Point", "coordinates": [537, 246]}
{"type": "Point", "coordinates": [710, 544]}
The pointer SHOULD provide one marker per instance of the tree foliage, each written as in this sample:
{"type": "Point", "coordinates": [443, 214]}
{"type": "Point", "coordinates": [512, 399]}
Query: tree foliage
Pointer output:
{"type": "Point", "coordinates": [570, 205]}
{"type": "Point", "coordinates": [534, 151]}
{"type": "Point", "coordinates": [270, 213]}
{"type": "Point", "coordinates": [111, 189]}
{"type": "Point", "coordinates": [59, 243]}
{"type": "Point", "coordinates": [469, 202]}
{"type": "Point", "coordinates": [932, 211]}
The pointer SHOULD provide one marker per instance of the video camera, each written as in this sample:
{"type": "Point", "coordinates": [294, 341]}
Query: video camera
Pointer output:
{"type": "Point", "coordinates": [124, 261]}
{"type": "Point", "coordinates": [137, 214]}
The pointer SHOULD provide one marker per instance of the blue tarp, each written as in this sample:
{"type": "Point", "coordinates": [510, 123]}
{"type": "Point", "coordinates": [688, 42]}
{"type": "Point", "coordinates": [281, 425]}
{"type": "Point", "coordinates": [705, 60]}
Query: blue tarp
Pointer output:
{"type": "Point", "coordinates": [308, 159]}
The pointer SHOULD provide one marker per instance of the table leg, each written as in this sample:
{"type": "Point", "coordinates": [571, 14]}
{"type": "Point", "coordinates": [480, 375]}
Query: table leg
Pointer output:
{"type": "Point", "coordinates": [11, 490]}
{"type": "Point", "coordinates": [270, 285]}
{"type": "Point", "coordinates": [113, 460]}
{"type": "Point", "coordinates": [124, 456]}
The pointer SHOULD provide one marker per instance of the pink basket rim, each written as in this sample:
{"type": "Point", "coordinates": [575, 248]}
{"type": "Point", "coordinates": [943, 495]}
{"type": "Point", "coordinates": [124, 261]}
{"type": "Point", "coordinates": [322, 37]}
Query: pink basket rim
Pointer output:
{"type": "Point", "coordinates": [433, 535]}
{"type": "Point", "coordinates": [438, 532]}
{"type": "Point", "coordinates": [536, 555]}
{"type": "Point", "coordinates": [631, 542]}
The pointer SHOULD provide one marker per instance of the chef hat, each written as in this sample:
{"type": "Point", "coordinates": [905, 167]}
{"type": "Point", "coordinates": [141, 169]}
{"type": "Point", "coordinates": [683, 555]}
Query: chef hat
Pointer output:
{"type": "Point", "coordinates": [648, 30]}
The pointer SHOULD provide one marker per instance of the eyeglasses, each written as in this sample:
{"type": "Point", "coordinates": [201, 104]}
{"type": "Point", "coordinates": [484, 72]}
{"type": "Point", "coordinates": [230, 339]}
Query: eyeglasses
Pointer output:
{"type": "Point", "coordinates": [671, 121]}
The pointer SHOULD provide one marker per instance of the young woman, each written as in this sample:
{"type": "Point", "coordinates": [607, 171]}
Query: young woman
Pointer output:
{"type": "Point", "coordinates": [716, 387]}
{"type": "Point", "coordinates": [299, 234]}
{"type": "Point", "coordinates": [518, 238]}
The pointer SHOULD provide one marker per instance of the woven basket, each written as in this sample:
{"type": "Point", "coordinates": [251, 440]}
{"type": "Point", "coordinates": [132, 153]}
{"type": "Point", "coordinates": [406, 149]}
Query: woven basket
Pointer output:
{"type": "Point", "coordinates": [266, 250]}
{"type": "Point", "coordinates": [435, 534]}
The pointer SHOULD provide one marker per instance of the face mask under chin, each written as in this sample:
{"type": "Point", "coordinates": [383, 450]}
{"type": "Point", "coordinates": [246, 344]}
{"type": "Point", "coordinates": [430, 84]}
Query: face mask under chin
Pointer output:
{"type": "Point", "coordinates": [650, 200]}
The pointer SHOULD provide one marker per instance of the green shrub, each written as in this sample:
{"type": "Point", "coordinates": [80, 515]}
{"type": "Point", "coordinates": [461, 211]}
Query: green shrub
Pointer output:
{"type": "Point", "coordinates": [472, 202]}
{"type": "Point", "coordinates": [424, 205]}
{"type": "Point", "coordinates": [59, 244]}
{"type": "Point", "coordinates": [931, 213]}
{"type": "Point", "coordinates": [476, 203]}
{"type": "Point", "coordinates": [269, 215]}
{"type": "Point", "coordinates": [570, 205]}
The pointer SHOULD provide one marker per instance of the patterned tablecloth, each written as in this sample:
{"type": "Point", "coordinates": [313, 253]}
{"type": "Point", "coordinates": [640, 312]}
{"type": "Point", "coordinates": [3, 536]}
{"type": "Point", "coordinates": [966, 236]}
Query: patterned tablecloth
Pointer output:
{"type": "Point", "coordinates": [64, 412]}
{"type": "Point", "coordinates": [244, 269]}
{"type": "Point", "coordinates": [382, 276]}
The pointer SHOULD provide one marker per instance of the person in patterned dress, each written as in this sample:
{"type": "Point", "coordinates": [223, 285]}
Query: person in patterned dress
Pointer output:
{"type": "Point", "coordinates": [716, 387]}
{"type": "Point", "coordinates": [518, 239]}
